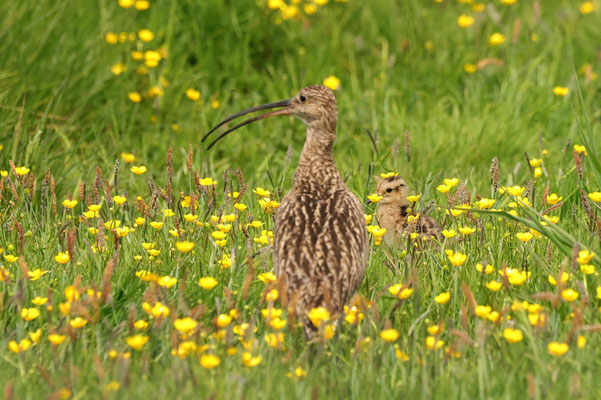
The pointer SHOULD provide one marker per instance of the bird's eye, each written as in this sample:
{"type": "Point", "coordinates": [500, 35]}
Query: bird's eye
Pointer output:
{"type": "Point", "coordinates": [302, 98]}
{"type": "Point", "coordinates": [388, 190]}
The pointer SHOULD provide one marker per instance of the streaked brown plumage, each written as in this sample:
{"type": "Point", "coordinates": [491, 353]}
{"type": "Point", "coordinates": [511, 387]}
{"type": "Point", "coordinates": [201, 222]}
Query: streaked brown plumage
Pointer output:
{"type": "Point", "coordinates": [320, 238]}
{"type": "Point", "coordinates": [394, 214]}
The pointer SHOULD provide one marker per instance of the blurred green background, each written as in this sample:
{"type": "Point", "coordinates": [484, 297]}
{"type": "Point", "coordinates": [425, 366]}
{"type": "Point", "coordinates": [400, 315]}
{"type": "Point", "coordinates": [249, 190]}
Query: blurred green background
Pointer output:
{"type": "Point", "coordinates": [401, 65]}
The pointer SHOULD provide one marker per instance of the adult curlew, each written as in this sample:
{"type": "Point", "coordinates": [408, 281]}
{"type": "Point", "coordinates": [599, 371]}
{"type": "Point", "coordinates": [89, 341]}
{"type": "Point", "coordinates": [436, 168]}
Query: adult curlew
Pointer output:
{"type": "Point", "coordinates": [320, 241]}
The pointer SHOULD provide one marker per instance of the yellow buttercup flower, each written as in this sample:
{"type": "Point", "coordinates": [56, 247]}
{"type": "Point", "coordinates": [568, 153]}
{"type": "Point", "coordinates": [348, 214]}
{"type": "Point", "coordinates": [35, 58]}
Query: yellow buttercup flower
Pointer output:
{"type": "Point", "coordinates": [39, 301]}
{"type": "Point", "coordinates": [223, 320]}
{"type": "Point", "coordinates": [249, 361]}
{"type": "Point", "coordinates": [159, 310]}
{"type": "Point", "coordinates": [595, 196]}
{"type": "Point", "coordinates": [185, 325]}
{"type": "Point", "coordinates": [166, 281]}
{"type": "Point", "coordinates": [483, 311]}
{"type": "Point", "coordinates": [451, 182]}
{"type": "Point", "coordinates": [9, 258]}
{"type": "Point", "coordinates": [470, 69]}
{"type": "Point", "coordinates": [587, 7]}
{"type": "Point", "coordinates": [225, 261]}
{"type": "Point", "coordinates": [190, 217]}
{"type": "Point", "coordinates": [209, 361]}
{"type": "Point", "coordinates": [564, 278]}
{"type": "Point", "coordinates": [488, 269]}
{"type": "Point", "coordinates": [90, 214]}
{"type": "Point", "coordinates": [496, 39]}
{"type": "Point", "coordinates": [400, 291]}
{"type": "Point", "coordinates": [443, 298]}
{"type": "Point", "coordinates": [443, 188]}
{"type": "Point", "coordinates": [207, 282]}
{"type": "Point", "coordinates": [516, 277]}
{"type": "Point", "coordinates": [560, 91]}
{"type": "Point", "coordinates": [142, 5]}
{"type": "Point", "coordinates": [494, 285]}
{"type": "Point", "coordinates": [332, 82]}
{"type": "Point", "coordinates": [513, 335]}
{"type": "Point", "coordinates": [141, 325]}
{"type": "Point", "coordinates": [581, 342]}
{"type": "Point", "coordinates": [157, 225]}
{"type": "Point", "coordinates": [62, 257]}
{"type": "Point", "coordinates": [70, 203]}
{"type": "Point", "coordinates": [122, 231]}
{"type": "Point", "coordinates": [118, 69]}
{"type": "Point", "coordinates": [36, 274]}
{"type": "Point", "coordinates": [465, 21]}
{"type": "Point", "coordinates": [119, 199]}
{"type": "Point", "coordinates": [457, 259]}
{"type": "Point", "coordinates": [138, 170]}
{"type": "Point", "coordinates": [29, 314]}
{"type": "Point", "coordinates": [389, 335]}
{"type": "Point", "coordinates": [22, 171]}
{"type": "Point", "coordinates": [557, 349]}
{"type": "Point", "coordinates": [145, 35]}
{"type": "Point", "coordinates": [434, 330]}
{"type": "Point", "coordinates": [466, 230]}
{"type": "Point", "coordinates": [137, 341]}
{"type": "Point", "coordinates": [267, 277]}
{"type": "Point", "coordinates": [262, 192]}
{"type": "Point", "coordinates": [207, 182]}
{"type": "Point", "coordinates": [514, 190]}
{"type": "Point", "coordinates": [193, 94]}
{"type": "Point", "coordinates": [569, 295]}
{"type": "Point", "coordinates": [433, 344]}
{"type": "Point", "coordinates": [585, 256]}
{"type": "Point", "coordinates": [20, 347]}
{"type": "Point", "coordinates": [184, 247]}
{"type": "Point", "coordinates": [218, 235]}
{"type": "Point", "coordinates": [374, 198]}
{"type": "Point", "coordinates": [553, 199]}
{"type": "Point", "coordinates": [449, 233]}
{"type": "Point", "coordinates": [110, 38]}
{"type": "Point", "coordinates": [78, 322]}
{"type": "Point", "coordinates": [318, 316]}
{"type": "Point", "coordinates": [134, 97]}
{"type": "Point", "coordinates": [35, 335]}
{"type": "Point", "coordinates": [524, 236]}
{"type": "Point", "coordinates": [56, 339]}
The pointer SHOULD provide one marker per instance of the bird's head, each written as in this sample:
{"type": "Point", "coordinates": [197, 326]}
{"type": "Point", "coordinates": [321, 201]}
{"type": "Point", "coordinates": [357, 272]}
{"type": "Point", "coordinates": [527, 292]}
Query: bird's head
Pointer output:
{"type": "Point", "coordinates": [393, 190]}
{"type": "Point", "coordinates": [314, 105]}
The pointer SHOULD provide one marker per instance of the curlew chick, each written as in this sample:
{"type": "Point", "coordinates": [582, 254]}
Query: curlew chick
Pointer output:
{"type": "Point", "coordinates": [320, 238]}
{"type": "Point", "coordinates": [395, 215]}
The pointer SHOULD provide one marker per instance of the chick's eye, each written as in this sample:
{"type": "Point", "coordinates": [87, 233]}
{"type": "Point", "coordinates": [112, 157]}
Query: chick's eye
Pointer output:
{"type": "Point", "coordinates": [302, 98]}
{"type": "Point", "coordinates": [388, 190]}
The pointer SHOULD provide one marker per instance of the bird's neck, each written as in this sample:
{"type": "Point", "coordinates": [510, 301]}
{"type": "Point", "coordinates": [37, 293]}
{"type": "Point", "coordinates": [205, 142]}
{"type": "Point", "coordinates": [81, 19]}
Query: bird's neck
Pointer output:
{"type": "Point", "coordinates": [397, 209]}
{"type": "Point", "coordinates": [316, 168]}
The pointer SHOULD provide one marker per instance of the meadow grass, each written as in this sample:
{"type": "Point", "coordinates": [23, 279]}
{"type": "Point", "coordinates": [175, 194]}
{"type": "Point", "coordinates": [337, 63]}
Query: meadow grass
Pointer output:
{"type": "Point", "coordinates": [408, 102]}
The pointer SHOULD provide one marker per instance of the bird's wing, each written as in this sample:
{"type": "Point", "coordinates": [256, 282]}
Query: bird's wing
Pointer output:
{"type": "Point", "coordinates": [321, 247]}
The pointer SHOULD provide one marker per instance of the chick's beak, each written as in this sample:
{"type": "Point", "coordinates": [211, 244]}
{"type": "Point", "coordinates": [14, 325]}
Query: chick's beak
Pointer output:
{"type": "Point", "coordinates": [278, 104]}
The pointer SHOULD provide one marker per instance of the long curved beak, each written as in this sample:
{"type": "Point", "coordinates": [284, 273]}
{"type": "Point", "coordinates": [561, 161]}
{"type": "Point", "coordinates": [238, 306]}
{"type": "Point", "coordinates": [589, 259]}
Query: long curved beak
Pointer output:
{"type": "Point", "coordinates": [283, 111]}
